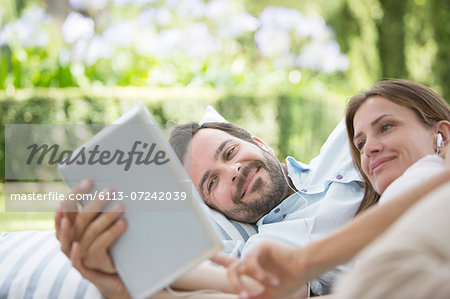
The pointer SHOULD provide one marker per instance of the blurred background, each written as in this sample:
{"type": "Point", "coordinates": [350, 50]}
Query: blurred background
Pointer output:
{"type": "Point", "coordinates": [281, 69]}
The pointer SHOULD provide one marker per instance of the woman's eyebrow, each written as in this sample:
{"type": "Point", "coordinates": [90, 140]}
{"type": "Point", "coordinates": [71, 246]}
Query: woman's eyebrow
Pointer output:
{"type": "Point", "coordinates": [378, 119]}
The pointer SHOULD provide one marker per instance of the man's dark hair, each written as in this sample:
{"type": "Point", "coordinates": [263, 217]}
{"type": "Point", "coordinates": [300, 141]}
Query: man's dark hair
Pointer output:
{"type": "Point", "coordinates": [181, 136]}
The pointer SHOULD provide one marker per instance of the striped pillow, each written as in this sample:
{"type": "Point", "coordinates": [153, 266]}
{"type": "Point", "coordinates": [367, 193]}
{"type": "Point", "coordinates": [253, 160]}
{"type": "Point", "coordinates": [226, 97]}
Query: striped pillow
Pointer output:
{"type": "Point", "coordinates": [33, 266]}
{"type": "Point", "coordinates": [234, 234]}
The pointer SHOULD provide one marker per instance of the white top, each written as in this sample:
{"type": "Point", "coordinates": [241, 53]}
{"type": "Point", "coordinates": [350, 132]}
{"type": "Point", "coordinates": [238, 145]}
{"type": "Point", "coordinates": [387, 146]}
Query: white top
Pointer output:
{"type": "Point", "coordinates": [423, 169]}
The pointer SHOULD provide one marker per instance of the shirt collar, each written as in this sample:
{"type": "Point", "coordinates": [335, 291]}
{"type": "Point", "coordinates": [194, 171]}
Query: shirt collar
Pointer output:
{"type": "Point", "coordinates": [292, 202]}
{"type": "Point", "coordinates": [297, 165]}
{"type": "Point", "coordinates": [279, 213]}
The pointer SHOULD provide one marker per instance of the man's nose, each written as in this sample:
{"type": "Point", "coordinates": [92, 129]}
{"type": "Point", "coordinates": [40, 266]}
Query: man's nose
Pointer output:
{"type": "Point", "coordinates": [234, 170]}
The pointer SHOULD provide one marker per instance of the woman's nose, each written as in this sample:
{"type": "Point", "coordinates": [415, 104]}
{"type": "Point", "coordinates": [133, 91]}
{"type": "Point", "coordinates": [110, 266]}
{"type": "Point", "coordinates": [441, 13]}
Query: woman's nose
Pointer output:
{"type": "Point", "coordinates": [372, 145]}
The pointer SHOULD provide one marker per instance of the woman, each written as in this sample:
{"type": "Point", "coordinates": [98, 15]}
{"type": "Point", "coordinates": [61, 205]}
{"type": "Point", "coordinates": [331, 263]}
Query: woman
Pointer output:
{"type": "Point", "coordinates": [393, 126]}
{"type": "Point", "coordinates": [424, 103]}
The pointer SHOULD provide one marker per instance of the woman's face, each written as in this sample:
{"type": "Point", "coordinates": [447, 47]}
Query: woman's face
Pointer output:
{"type": "Point", "coordinates": [390, 138]}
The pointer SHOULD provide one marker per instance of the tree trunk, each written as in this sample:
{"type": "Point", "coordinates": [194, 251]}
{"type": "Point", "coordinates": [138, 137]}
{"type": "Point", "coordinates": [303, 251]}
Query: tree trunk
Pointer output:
{"type": "Point", "coordinates": [284, 120]}
{"type": "Point", "coordinates": [439, 17]}
{"type": "Point", "coordinates": [391, 39]}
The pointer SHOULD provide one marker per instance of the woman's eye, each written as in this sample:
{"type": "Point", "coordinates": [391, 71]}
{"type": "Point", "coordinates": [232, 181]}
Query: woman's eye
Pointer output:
{"type": "Point", "coordinates": [360, 145]}
{"type": "Point", "coordinates": [230, 152]}
{"type": "Point", "coordinates": [211, 183]}
{"type": "Point", "coordinates": [386, 127]}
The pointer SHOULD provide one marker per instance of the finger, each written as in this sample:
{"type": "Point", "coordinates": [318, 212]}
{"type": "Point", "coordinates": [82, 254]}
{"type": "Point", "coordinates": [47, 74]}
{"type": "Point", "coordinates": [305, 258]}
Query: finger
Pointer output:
{"type": "Point", "coordinates": [253, 268]}
{"type": "Point", "coordinates": [58, 217]}
{"type": "Point", "coordinates": [223, 260]}
{"type": "Point", "coordinates": [81, 187]}
{"type": "Point", "coordinates": [235, 278]}
{"type": "Point", "coordinates": [101, 246]}
{"type": "Point", "coordinates": [111, 235]}
{"type": "Point", "coordinates": [99, 225]}
{"type": "Point", "coordinates": [244, 295]}
{"type": "Point", "coordinates": [65, 237]}
{"type": "Point", "coordinates": [110, 285]}
{"type": "Point", "coordinates": [90, 211]}
{"type": "Point", "coordinates": [98, 203]}
{"type": "Point", "coordinates": [261, 295]}
{"type": "Point", "coordinates": [69, 206]}
{"type": "Point", "coordinates": [76, 258]}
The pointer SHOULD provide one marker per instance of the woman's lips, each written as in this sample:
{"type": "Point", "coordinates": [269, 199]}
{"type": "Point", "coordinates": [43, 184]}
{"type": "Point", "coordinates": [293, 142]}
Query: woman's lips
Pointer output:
{"type": "Point", "coordinates": [249, 181]}
{"type": "Point", "coordinates": [378, 164]}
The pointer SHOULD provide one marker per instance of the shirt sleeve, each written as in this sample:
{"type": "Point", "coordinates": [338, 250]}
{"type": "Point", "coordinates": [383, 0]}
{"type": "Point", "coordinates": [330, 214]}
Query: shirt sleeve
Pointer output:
{"type": "Point", "coordinates": [411, 260]}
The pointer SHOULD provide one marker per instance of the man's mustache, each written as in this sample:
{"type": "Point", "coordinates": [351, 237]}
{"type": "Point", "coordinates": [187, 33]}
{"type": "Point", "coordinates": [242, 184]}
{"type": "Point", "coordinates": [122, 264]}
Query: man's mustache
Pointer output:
{"type": "Point", "coordinates": [243, 177]}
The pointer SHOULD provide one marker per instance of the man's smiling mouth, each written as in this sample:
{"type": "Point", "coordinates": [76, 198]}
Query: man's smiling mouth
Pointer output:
{"type": "Point", "coordinates": [251, 178]}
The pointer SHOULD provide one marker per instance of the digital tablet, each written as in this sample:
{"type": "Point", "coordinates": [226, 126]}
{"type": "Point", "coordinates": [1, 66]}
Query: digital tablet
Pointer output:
{"type": "Point", "coordinates": [168, 228]}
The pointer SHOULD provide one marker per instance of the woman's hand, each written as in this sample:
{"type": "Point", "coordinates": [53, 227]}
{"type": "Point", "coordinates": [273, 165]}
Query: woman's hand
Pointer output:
{"type": "Point", "coordinates": [277, 267]}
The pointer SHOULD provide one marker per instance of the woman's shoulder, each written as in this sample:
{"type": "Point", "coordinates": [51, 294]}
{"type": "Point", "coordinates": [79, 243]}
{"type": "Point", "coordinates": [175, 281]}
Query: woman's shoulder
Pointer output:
{"type": "Point", "coordinates": [423, 169]}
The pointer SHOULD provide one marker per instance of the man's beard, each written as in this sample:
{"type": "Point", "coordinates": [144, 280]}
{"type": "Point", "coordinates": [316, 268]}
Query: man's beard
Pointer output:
{"type": "Point", "coordinates": [273, 193]}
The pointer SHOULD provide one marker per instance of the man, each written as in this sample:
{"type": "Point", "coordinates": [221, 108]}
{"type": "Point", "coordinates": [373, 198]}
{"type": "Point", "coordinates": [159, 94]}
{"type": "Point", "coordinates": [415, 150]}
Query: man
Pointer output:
{"type": "Point", "coordinates": [239, 176]}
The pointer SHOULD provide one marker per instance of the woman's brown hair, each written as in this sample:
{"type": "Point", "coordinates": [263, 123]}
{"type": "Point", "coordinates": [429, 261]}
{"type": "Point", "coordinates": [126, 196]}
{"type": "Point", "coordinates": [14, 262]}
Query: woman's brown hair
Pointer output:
{"type": "Point", "coordinates": [428, 106]}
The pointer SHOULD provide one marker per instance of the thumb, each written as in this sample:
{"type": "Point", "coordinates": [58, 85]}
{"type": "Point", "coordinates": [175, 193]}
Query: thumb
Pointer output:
{"type": "Point", "coordinates": [224, 260]}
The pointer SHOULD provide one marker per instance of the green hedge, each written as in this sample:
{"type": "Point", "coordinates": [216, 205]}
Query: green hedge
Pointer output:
{"type": "Point", "coordinates": [293, 124]}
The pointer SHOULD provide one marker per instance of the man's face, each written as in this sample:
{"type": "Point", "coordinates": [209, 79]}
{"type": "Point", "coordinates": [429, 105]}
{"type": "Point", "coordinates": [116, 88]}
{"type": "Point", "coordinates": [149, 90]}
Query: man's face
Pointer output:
{"type": "Point", "coordinates": [233, 176]}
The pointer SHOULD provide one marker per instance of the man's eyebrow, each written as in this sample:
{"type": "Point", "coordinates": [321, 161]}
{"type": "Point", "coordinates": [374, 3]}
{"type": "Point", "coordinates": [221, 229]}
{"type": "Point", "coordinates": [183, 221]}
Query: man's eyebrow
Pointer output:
{"type": "Point", "coordinates": [202, 182]}
{"type": "Point", "coordinates": [378, 119]}
{"type": "Point", "coordinates": [220, 149]}
{"type": "Point", "coordinates": [208, 172]}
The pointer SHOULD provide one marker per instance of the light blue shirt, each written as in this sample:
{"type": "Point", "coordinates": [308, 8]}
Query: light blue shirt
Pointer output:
{"type": "Point", "coordinates": [328, 196]}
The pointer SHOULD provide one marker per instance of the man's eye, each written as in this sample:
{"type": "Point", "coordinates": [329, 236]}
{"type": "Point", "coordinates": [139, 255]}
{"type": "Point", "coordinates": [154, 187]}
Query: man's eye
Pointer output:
{"type": "Point", "coordinates": [211, 183]}
{"type": "Point", "coordinates": [230, 152]}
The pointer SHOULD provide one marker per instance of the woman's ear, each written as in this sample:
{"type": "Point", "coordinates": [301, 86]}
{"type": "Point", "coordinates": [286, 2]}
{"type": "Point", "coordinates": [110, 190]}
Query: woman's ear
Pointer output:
{"type": "Point", "coordinates": [263, 145]}
{"type": "Point", "coordinates": [442, 138]}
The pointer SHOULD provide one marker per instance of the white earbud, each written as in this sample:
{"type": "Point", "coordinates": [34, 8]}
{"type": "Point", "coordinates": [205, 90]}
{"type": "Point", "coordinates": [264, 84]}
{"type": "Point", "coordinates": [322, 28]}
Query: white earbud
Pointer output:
{"type": "Point", "coordinates": [439, 140]}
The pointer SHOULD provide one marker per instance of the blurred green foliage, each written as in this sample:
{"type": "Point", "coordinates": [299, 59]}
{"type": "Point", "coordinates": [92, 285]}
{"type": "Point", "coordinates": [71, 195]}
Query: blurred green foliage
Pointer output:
{"type": "Point", "coordinates": [287, 85]}
{"type": "Point", "coordinates": [308, 113]}
{"type": "Point", "coordinates": [16, 221]}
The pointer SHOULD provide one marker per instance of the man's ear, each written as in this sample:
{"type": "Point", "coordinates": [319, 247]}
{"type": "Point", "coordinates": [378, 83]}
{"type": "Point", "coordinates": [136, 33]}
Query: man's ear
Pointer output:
{"type": "Point", "coordinates": [263, 145]}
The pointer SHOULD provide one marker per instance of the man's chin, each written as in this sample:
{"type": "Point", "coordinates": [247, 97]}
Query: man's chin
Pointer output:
{"type": "Point", "coordinates": [243, 216]}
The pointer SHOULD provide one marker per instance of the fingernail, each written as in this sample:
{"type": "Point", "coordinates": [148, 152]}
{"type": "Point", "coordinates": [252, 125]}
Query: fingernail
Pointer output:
{"type": "Point", "coordinates": [243, 295]}
{"type": "Point", "coordinates": [74, 246]}
{"type": "Point", "coordinates": [84, 184]}
{"type": "Point", "coordinates": [274, 282]}
{"type": "Point", "coordinates": [63, 223]}
{"type": "Point", "coordinates": [116, 208]}
{"type": "Point", "coordinates": [120, 222]}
